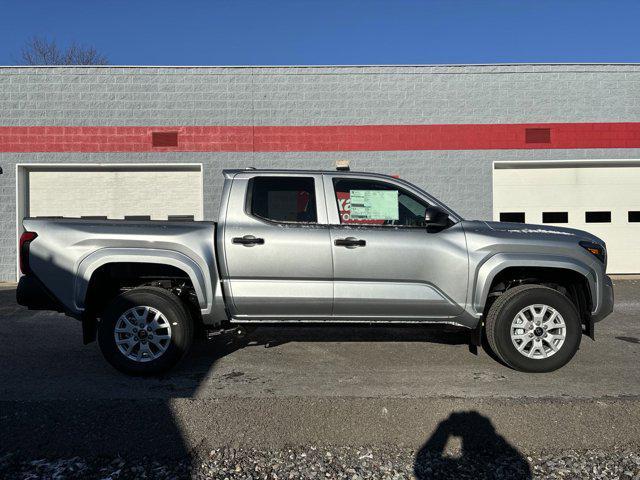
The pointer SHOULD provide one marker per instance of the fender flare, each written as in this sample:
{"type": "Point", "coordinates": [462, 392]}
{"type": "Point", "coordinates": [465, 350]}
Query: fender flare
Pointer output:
{"type": "Point", "coordinates": [488, 270]}
{"type": "Point", "coordinates": [199, 277]}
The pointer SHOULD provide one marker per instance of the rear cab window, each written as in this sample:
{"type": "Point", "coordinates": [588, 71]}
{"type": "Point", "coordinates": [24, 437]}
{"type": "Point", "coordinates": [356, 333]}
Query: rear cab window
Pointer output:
{"type": "Point", "coordinates": [283, 199]}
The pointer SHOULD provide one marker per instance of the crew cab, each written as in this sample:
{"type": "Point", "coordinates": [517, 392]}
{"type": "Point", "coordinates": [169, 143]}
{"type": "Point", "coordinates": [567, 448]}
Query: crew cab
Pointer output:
{"type": "Point", "coordinates": [302, 247]}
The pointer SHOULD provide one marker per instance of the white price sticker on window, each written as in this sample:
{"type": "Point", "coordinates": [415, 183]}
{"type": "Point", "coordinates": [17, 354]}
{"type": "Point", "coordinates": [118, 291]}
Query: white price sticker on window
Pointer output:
{"type": "Point", "coordinates": [374, 205]}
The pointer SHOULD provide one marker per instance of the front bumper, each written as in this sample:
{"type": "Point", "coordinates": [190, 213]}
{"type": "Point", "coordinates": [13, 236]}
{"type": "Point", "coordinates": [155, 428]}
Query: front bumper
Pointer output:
{"type": "Point", "coordinates": [606, 301]}
{"type": "Point", "coordinates": [32, 293]}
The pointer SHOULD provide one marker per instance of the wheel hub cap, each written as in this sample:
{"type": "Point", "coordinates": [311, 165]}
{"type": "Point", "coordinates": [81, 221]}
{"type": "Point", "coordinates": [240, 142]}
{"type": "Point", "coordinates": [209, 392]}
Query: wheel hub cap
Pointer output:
{"type": "Point", "coordinates": [538, 331]}
{"type": "Point", "coordinates": [142, 334]}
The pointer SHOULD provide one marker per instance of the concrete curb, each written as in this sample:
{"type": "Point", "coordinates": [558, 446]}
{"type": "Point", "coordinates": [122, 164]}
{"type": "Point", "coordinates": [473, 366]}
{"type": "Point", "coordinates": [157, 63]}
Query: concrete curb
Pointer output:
{"type": "Point", "coordinates": [625, 277]}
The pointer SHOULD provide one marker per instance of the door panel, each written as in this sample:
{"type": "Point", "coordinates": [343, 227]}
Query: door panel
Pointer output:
{"type": "Point", "coordinates": [400, 272]}
{"type": "Point", "coordinates": [389, 299]}
{"type": "Point", "coordinates": [288, 273]}
{"type": "Point", "coordinates": [386, 263]}
{"type": "Point", "coordinates": [265, 297]}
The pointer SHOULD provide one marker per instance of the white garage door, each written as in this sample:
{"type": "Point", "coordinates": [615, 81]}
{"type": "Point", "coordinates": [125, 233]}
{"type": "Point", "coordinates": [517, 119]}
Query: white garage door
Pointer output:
{"type": "Point", "coordinates": [158, 192]}
{"type": "Point", "coordinates": [600, 197]}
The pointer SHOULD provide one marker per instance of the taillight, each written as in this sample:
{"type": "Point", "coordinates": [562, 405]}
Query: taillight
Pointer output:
{"type": "Point", "coordinates": [25, 240]}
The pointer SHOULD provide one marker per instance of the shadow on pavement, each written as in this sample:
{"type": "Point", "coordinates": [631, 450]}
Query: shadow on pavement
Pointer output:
{"type": "Point", "coordinates": [142, 422]}
{"type": "Point", "coordinates": [75, 404]}
{"type": "Point", "coordinates": [629, 339]}
{"type": "Point", "coordinates": [482, 453]}
{"type": "Point", "coordinates": [206, 353]}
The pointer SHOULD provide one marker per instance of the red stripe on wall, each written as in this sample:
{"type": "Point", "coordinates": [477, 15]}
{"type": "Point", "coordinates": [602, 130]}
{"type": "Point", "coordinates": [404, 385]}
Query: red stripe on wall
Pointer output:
{"type": "Point", "coordinates": [319, 138]}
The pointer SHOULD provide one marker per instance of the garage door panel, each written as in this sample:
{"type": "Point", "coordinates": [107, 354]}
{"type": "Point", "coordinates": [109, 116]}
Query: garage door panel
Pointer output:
{"type": "Point", "coordinates": [567, 198]}
{"type": "Point", "coordinates": [115, 193]}
{"type": "Point", "coordinates": [577, 190]}
{"type": "Point", "coordinates": [568, 176]}
{"type": "Point", "coordinates": [525, 177]}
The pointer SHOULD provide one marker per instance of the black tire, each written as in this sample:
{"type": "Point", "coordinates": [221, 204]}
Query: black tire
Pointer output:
{"type": "Point", "coordinates": [508, 305]}
{"type": "Point", "coordinates": [179, 319]}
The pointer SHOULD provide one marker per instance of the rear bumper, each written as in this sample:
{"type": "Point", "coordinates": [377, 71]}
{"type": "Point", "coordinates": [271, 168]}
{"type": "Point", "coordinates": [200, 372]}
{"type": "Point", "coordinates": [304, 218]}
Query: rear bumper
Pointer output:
{"type": "Point", "coordinates": [606, 303]}
{"type": "Point", "coordinates": [32, 293]}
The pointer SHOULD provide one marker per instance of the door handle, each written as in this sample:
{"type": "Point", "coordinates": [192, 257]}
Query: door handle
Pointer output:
{"type": "Point", "coordinates": [247, 241]}
{"type": "Point", "coordinates": [349, 242]}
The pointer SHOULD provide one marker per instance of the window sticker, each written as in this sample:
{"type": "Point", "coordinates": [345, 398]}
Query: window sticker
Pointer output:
{"type": "Point", "coordinates": [374, 204]}
{"type": "Point", "coordinates": [344, 207]}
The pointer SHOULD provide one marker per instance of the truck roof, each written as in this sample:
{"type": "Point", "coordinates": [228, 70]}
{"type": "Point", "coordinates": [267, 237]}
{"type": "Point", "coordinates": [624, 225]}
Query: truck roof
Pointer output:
{"type": "Point", "coordinates": [234, 171]}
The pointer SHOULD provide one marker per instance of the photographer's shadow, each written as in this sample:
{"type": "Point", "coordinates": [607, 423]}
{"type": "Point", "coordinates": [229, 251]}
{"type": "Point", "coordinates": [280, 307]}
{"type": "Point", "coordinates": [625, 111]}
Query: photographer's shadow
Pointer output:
{"type": "Point", "coordinates": [483, 453]}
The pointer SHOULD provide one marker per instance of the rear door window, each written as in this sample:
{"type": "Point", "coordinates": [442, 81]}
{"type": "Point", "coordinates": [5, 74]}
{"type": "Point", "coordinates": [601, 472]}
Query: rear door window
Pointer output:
{"type": "Point", "coordinates": [284, 199]}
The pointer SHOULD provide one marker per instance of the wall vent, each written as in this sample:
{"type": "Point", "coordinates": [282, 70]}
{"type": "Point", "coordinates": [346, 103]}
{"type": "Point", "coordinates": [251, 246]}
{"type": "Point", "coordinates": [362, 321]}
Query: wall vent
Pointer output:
{"type": "Point", "coordinates": [537, 135]}
{"type": "Point", "coordinates": [164, 139]}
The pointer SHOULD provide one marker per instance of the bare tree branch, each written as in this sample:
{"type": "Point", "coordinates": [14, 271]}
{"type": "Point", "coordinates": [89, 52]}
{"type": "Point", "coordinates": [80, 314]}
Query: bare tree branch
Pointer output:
{"type": "Point", "coordinates": [41, 51]}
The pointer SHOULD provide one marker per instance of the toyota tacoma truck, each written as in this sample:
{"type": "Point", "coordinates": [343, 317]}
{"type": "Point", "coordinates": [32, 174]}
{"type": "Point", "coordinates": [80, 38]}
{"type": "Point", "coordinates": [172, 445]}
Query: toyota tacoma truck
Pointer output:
{"type": "Point", "coordinates": [317, 247]}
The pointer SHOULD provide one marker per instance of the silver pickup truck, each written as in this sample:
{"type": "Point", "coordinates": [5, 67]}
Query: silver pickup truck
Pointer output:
{"type": "Point", "coordinates": [317, 247]}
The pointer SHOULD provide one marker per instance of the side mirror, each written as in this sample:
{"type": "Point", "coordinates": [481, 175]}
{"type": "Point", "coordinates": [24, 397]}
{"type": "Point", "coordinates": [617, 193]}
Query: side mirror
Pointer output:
{"type": "Point", "coordinates": [435, 217]}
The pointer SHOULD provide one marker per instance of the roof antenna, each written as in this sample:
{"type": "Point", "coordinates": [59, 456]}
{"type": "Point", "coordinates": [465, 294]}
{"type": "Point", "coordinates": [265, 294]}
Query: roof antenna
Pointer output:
{"type": "Point", "coordinates": [342, 165]}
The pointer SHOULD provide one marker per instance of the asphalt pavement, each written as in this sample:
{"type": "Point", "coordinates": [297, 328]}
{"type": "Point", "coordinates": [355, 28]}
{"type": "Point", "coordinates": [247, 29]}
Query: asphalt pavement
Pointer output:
{"type": "Point", "coordinates": [327, 385]}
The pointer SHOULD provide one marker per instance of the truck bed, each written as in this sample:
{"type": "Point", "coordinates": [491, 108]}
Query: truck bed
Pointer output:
{"type": "Point", "coordinates": [68, 251]}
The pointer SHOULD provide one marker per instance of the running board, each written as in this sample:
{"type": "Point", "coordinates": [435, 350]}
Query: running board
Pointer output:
{"type": "Point", "coordinates": [343, 321]}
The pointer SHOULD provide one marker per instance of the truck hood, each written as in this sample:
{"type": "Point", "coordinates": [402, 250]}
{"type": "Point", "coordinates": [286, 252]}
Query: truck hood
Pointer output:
{"type": "Point", "coordinates": [502, 237]}
{"type": "Point", "coordinates": [542, 231]}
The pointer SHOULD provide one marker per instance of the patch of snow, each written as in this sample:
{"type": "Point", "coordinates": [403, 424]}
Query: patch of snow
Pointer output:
{"type": "Point", "coordinates": [539, 230]}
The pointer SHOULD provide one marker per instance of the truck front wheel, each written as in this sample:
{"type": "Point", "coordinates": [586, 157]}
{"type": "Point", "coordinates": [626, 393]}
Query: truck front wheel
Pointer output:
{"type": "Point", "coordinates": [145, 331]}
{"type": "Point", "coordinates": [533, 328]}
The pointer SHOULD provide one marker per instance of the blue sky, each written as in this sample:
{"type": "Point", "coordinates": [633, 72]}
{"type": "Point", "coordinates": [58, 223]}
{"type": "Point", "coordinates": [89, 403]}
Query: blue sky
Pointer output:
{"type": "Point", "coordinates": [160, 32]}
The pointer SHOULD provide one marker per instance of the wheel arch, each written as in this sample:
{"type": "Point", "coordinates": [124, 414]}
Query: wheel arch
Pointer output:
{"type": "Point", "coordinates": [547, 267]}
{"type": "Point", "coordinates": [94, 263]}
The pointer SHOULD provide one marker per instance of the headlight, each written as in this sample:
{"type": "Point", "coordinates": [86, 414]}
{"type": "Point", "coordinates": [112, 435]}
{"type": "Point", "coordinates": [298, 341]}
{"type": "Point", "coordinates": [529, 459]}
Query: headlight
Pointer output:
{"type": "Point", "coordinates": [595, 249]}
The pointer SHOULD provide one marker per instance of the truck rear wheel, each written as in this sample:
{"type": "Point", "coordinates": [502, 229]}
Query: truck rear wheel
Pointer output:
{"type": "Point", "coordinates": [145, 331]}
{"type": "Point", "coordinates": [533, 328]}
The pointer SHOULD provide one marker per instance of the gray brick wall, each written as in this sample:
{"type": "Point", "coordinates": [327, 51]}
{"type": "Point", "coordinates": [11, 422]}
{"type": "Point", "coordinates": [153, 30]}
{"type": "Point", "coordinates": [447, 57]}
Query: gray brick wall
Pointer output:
{"type": "Point", "coordinates": [316, 96]}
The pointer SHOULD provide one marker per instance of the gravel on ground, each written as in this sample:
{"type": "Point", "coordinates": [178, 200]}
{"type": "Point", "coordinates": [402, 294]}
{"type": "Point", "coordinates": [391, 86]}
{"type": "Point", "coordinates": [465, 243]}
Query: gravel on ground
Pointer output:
{"type": "Point", "coordinates": [337, 463]}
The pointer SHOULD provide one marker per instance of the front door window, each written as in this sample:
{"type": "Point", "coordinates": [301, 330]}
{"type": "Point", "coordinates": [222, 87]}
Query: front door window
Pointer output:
{"type": "Point", "coordinates": [366, 202]}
